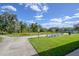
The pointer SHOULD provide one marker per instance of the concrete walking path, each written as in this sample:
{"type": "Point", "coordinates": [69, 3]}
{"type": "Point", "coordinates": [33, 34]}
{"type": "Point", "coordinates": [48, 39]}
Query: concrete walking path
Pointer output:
{"type": "Point", "coordinates": [74, 53]}
{"type": "Point", "coordinates": [16, 46]}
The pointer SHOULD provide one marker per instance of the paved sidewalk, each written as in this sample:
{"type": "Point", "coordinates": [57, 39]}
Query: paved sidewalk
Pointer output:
{"type": "Point", "coordinates": [16, 46]}
{"type": "Point", "coordinates": [74, 53]}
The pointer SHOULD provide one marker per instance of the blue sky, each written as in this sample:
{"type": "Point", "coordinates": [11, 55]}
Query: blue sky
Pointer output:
{"type": "Point", "coordinates": [47, 15]}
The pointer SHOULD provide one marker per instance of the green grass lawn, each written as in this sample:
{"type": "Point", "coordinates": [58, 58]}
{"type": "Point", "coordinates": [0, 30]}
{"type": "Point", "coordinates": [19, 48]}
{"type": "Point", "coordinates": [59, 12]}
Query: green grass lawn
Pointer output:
{"type": "Point", "coordinates": [57, 46]}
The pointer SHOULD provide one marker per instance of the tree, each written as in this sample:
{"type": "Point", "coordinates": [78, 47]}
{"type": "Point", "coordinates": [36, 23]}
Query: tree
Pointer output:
{"type": "Point", "coordinates": [23, 27]}
{"type": "Point", "coordinates": [54, 29]}
{"type": "Point", "coordinates": [43, 29]}
{"type": "Point", "coordinates": [8, 21]}
{"type": "Point", "coordinates": [76, 27]}
{"type": "Point", "coordinates": [34, 27]}
{"type": "Point", "coordinates": [1, 24]}
{"type": "Point", "coordinates": [10, 24]}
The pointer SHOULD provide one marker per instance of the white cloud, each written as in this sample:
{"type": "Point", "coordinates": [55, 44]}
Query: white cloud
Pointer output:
{"type": "Point", "coordinates": [38, 16]}
{"type": "Point", "coordinates": [51, 24]}
{"type": "Point", "coordinates": [8, 8]}
{"type": "Point", "coordinates": [35, 8]}
{"type": "Point", "coordinates": [76, 15]}
{"type": "Point", "coordinates": [62, 22]}
{"type": "Point", "coordinates": [77, 21]}
{"type": "Point", "coordinates": [45, 8]}
{"type": "Point", "coordinates": [30, 21]}
{"type": "Point", "coordinates": [66, 21]}
{"type": "Point", "coordinates": [47, 25]}
{"type": "Point", "coordinates": [54, 24]}
{"type": "Point", "coordinates": [67, 18]}
{"type": "Point", "coordinates": [71, 22]}
{"type": "Point", "coordinates": [2, 10]}
{"type": "Point", "coordinates": [58, 20]}
{"type": "Point", "coordinates": [38, 7]}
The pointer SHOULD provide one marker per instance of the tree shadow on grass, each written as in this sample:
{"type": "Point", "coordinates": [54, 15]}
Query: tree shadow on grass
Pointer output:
{"type": "Point", "coordinates": [61, 50]}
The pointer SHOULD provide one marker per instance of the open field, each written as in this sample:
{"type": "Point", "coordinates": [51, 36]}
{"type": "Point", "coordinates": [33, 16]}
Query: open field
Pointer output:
{"type": "Point", "coordinates": [57, 46]}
